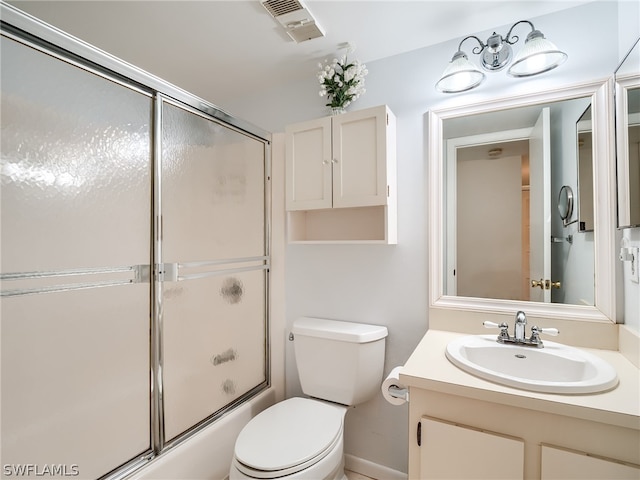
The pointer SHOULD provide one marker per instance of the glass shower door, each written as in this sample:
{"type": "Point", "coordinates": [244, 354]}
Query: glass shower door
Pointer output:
{"type": "Point", "coordinates": [75, 256]}
{"type": "Point", "coordinates": [133, 265]}
{"type": "Point", "coordinates": [213, 249]}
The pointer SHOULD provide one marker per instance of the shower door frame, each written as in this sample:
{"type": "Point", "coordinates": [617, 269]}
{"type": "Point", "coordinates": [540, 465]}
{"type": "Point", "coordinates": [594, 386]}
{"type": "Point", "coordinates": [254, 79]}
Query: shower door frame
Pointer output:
{"type": "Point", "coordinates": [33, 33]}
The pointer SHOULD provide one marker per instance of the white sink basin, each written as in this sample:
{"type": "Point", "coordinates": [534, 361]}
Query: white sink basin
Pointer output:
{"type": "Point", "coordinates": [556, 368]}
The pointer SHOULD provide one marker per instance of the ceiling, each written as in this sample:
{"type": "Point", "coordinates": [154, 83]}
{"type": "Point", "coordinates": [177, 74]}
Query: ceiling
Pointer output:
{"type": "Point", "coordinates": [224, 49]}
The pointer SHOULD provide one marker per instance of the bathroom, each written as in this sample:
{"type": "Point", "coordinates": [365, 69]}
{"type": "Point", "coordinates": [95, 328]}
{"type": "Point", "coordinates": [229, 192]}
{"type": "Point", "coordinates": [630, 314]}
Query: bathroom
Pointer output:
{"type": "Point", "coordinates": [387, 284]}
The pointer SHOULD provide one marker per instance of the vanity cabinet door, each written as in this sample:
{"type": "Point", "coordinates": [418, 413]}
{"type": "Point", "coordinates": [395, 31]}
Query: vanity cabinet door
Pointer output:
{"type": "Point", "coordinates": [567, 465]}
{"type": "Point", "coordinates": [450, 451]}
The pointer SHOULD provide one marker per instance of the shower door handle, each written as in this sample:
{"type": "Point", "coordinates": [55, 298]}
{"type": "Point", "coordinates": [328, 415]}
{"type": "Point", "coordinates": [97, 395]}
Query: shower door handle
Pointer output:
{"type": "Point", "coordinates": [30, 283]}
{"type": "Point", "coordinates": [179, 271]}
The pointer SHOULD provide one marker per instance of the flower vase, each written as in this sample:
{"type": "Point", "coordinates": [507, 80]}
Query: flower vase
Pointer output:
{"type": "Point", "coordinates": [337, 110]}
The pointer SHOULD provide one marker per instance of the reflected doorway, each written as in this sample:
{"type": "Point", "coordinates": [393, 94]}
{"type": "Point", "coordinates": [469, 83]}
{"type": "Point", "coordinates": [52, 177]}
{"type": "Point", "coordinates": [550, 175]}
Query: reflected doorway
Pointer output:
{"type": "Point", "coordinates": [493, 244]}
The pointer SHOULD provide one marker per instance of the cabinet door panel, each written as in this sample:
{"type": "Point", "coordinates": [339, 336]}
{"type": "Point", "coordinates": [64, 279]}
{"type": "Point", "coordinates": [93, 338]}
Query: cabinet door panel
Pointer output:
{"type": "Point", "coordinates": [564, 464]}
{"type": "Point", "coordinates": [308, 161]}
{"type": "Point", "coordinates": [359, 150]}
{"type": "Point", "coordinates": [456, 452]}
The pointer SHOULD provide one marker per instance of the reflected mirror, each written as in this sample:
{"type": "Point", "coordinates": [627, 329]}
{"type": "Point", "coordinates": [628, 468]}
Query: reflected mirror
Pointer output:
{"type": "Point", "coordinates": [628, 138]}
{"type": "Point", "coordinates": [497, 169]}
{"type": "Point", "coordinates": [565, 204]}
{"type": "Point", "coordinates": [585, 171]}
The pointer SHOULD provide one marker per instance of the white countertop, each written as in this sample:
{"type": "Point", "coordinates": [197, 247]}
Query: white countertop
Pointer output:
{"type": "Point", "coordinates": [428, 368]}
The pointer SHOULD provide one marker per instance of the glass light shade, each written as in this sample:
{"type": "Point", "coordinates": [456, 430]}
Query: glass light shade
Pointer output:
{"type": "Point", "coordinates": [460, 75]}
{"type": "Point", "coordinates": [538, 55]}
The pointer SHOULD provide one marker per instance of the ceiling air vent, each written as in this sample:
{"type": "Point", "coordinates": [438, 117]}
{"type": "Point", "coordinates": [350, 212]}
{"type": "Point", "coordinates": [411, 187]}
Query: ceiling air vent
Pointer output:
{"type": "Point", "coordinates": [296, 19]}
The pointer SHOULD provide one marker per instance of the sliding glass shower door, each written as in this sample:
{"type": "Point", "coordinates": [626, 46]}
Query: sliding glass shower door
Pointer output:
{"type": "Point", "coordinates": [134, 265]}
{"type": "Point", "coordinates": [76, 227]}
{"type": "Point", "coordinates": [213, 248]}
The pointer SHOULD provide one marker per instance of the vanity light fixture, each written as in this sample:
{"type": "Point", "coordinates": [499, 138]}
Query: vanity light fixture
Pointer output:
{"type": "Point", "coordinates": [538, 55]}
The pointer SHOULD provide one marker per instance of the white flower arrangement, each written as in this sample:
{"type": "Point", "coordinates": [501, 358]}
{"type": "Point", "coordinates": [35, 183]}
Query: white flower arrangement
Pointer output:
{"type": "Point", "coordinates": [341, 81]}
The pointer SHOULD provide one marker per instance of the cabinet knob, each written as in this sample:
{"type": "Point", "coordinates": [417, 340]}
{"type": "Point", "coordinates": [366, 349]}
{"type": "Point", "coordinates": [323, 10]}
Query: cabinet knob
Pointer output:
{"type": "Point", "coordinates": [335, 160]}
{"type": "Point", "coordinates": [325, 162]}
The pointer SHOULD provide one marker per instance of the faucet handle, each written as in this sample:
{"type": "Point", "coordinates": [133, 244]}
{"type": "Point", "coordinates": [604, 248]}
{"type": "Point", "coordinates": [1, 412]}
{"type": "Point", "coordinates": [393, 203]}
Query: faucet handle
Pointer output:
{"type": "Point", "coordinates": [488, 324]}
{"type": "Point", "coordinates": [504, 329]}
{"type": "Point", "coordinates": [548, 331]}
{"type": "Point", "coordinates": [536, 331]}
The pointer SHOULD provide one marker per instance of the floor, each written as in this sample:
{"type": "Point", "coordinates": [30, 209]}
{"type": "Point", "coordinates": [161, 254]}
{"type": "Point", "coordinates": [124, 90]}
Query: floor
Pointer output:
{"type": "Point", "coordinates": [356, 476]}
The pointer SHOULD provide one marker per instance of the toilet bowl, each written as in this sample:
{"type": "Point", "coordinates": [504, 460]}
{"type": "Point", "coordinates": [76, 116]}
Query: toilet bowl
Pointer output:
{"type": "Point", "coordinates": [339, 364]}
{"type": "Point", "coordinates": [298, 438]}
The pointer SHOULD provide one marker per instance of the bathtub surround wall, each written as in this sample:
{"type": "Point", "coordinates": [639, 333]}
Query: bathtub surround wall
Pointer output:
{"type": "Point", "coordinates": [388, 284]}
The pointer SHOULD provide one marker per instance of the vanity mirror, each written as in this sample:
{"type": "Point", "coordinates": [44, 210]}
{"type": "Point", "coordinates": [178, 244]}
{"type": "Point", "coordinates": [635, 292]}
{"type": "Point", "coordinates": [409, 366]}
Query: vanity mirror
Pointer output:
{"type": "Point", "coordinates": [627, 78]}
{"type": "Point", "coordinates": [496, 170]}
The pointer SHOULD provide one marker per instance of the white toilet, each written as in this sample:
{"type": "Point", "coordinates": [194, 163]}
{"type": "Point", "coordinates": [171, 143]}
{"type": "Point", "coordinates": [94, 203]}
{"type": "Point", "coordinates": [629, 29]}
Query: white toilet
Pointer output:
{"type": "Point", "coordinates": [339, 364]}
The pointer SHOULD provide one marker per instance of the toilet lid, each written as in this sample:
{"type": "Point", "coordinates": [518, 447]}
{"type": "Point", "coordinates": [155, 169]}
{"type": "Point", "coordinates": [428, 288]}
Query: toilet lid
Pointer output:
{"type": "Point", "coordinates": [290, 433]}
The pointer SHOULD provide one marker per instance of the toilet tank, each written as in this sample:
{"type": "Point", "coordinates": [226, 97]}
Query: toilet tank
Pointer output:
{"type": "Point", "coordinates": [339, 361]}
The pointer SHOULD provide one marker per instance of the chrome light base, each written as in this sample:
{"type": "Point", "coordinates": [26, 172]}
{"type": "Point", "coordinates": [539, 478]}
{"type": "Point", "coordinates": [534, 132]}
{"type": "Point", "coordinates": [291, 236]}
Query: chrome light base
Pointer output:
{"type": "Point", "coordinates": [497, 54]}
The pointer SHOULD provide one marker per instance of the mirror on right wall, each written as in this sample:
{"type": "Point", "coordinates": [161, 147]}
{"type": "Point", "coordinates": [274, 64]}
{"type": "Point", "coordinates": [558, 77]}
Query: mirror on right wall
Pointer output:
{"type": "Point", "coordinates": [627, 92]}
{"type": "Point", "coordinates": [469, 223]}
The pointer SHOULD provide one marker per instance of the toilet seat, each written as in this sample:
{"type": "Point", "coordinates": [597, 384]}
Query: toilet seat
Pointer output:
{"type": "Point", "coordinates": [288, 437]}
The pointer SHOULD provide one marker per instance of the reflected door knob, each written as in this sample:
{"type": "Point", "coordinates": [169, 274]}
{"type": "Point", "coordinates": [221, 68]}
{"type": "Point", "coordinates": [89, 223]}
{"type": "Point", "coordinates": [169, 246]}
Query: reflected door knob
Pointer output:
{"type": "Point", "coordinates": [556, 284]}
{"type": "Point", "coordinates": [537, 283]}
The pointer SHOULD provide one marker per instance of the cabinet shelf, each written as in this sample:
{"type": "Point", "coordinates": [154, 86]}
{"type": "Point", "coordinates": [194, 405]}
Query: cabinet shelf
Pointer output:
{"type": "Point", "coordinates": [342, 225]}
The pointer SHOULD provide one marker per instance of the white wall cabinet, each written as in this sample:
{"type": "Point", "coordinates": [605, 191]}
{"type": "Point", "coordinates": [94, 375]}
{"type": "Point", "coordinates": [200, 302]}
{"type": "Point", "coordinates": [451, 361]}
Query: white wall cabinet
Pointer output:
{"type": "Point", "coordinates": [341, 178]}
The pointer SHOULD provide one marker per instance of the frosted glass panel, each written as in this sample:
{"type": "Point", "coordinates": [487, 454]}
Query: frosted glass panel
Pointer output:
{"type": "Point", "coordinates": [75, 195]}
{"type": "Point", "coordinates": [214, 345]}
{"type": "Point", "coordinates": [213, 189]}
{"type": "Point", "coordinates": [213, 212]}
{"type": "Point", "coordinates": [75, 378]}
{"type": "Point", "coordinates": [75, 166]}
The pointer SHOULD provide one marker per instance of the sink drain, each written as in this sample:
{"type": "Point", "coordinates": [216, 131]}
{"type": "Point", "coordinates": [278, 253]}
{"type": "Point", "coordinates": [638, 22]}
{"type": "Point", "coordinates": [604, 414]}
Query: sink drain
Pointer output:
{"type": "Point", "coordinates": [519, 355]}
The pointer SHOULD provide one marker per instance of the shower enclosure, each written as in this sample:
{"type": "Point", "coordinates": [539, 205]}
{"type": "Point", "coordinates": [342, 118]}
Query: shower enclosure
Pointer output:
{"type": "Point", "coordinates": [134, 259]}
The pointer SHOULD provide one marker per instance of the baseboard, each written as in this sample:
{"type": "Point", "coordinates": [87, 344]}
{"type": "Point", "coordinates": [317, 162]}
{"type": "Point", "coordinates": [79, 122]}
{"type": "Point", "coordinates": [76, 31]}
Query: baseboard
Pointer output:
{"type": "Point", "coordinates": [629, 344]}
{"type": "Point", "coordinates": [370, 469]}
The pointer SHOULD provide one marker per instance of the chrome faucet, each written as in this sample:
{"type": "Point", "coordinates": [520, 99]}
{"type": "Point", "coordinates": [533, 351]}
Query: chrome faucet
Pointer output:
{"type": "Point", "coordinates": [521, 321]}
{"type": "Point", "coordinates": [519, 336]}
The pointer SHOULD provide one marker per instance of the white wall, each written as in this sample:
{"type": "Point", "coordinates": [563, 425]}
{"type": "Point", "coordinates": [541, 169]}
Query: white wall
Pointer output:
{"type": "Point", "coordinates": [388, 284]}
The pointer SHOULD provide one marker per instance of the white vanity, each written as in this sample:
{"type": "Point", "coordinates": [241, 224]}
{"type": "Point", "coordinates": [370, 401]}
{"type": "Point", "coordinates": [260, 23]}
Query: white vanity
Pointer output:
{"type": "Point", "coordinates": [474, 428]}
{"type": "Point", "coordinates": [466, 426]}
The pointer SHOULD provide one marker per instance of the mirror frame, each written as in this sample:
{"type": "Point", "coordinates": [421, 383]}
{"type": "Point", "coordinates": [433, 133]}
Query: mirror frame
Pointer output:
{"type": "Point", "coordinates": [622, 86]}
{"type": "Point", "coordinates": [604, 310]}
